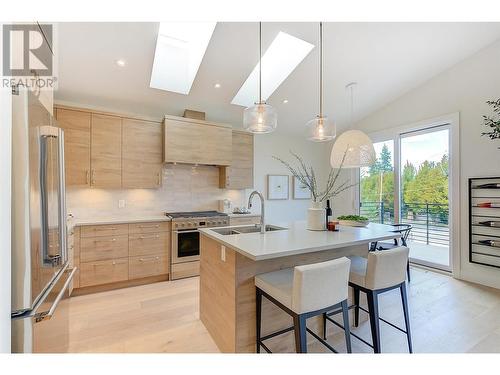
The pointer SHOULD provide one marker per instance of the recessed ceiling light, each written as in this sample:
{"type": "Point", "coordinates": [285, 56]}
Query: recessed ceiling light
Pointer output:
{"type": "Point", "coordinates": [217, 85]}
{"type": "Point", "coordinates": [283, 55]}
{"type": "Point", "coordinates": [180, 47]}
{"type": "Point", "coordinates": [120, 62]}
{"type": "Point", "coordinates": [285, 101]}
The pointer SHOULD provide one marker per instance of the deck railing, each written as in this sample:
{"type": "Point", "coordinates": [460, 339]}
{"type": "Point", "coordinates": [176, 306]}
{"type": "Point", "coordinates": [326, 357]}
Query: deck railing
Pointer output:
{"type": "Point", "coordinates": [429, 220]}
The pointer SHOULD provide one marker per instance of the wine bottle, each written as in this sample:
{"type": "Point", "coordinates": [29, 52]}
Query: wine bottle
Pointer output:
{"type": "Point", "coordinates": [488, 186]}
{"type": "Point", "coordinates": [490, 243]}
{"type": "Point", "coordinates": [490, 223]}
{"type": "Point", "coordinates": [489, 205]}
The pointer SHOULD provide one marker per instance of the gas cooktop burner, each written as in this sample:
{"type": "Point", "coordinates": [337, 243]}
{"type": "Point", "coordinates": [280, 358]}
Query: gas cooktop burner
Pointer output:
{"type": "Point", "coordinates": [178, 215]}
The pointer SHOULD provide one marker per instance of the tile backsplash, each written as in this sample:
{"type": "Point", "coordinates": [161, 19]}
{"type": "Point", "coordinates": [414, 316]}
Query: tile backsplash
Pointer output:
{"type": "Point", "coordinates": [184, 188]}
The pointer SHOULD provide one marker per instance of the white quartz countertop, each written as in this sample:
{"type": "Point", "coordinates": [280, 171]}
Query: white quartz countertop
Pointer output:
{"type": "Point", "coordinates": [296, 239]}
{"type": "Point", "coordinates": [118, 220]}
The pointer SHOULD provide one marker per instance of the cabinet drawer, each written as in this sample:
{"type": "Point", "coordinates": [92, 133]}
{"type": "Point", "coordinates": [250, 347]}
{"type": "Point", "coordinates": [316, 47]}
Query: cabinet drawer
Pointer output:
{"type": "Point", "coordinates": [100, 248]}
{"type": "Point", "coordinates": [153, 227]}
{"type": "Point", "coordinates": [103, 272]}
{"type": "Point", "coordinates": [149, 244]}
{"type": "Point", "coordinates": [104, 230]}
{"type": "Point", "coordinates": [244, 220]}
{"type": "Point", "coordinates": [145, 266]}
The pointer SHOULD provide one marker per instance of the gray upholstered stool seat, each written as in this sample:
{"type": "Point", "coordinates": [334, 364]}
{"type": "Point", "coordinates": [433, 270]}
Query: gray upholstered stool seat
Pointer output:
{"type": "Point", "coordinates": [303, 292]}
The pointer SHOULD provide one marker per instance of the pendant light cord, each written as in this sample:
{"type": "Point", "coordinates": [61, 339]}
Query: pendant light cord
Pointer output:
{"type": "Point", "coordinates": [321, 69]}
{"type": "Point", "coordinates": [260, 62]}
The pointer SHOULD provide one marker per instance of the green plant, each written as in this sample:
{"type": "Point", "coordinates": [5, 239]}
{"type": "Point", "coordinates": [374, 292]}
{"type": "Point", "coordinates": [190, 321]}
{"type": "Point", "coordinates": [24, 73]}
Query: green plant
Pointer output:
{"type": "Point", "coordinates": [494, 121]}
{"type": "Point", "coordinates": [306, 175]}
{"type": "Point", "coordinates": [352, 218]}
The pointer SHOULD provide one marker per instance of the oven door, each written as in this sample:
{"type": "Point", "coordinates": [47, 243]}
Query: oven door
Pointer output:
{"type": "Point", "coordinates": [185, 246]}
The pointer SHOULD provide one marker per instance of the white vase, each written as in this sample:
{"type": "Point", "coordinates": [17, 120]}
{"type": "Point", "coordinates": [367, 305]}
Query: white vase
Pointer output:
{"type": "Point", "coordinates": [316, 216]}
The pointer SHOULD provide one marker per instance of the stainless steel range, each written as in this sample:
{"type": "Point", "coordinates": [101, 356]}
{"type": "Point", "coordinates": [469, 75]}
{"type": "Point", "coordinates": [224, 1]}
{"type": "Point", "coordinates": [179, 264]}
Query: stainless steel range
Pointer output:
{"type": "Point", "coordinates": [185, 256]}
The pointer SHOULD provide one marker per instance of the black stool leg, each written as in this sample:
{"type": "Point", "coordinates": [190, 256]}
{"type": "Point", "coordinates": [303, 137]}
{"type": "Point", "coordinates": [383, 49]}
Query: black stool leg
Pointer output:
{"type": "Point", "coordinates": [299, 322]}
{"type": "Point", "coordinates": [347, 332]}
{"type": "Point", "coordinates": [404, 300]}
{"type": "Point", "coordinates": [258, 315]}
{"type": "Point", "coordinates": [356, 309]}
{"type": "Point", "coordinates": [408, 270]}
{"type": "Point", "coordinates": [324, 326]}
{"type": "Point", "coordinates": [374, 323]}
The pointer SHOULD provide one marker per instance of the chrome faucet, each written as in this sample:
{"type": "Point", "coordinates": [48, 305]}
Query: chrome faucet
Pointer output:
{"type": "Point", "coordinates": [262, 221]}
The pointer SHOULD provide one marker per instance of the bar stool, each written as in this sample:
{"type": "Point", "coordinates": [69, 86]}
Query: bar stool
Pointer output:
{"type": "Point", "coordinates": [304, 292]}
{"type": "Point", "coordinates": [405, 230]}
{"type": "Point", "coordinates": [381, 272]}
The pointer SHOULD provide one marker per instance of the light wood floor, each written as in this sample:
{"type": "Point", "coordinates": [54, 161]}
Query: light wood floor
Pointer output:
{"type": "Point", "coordinates": [446, 315]}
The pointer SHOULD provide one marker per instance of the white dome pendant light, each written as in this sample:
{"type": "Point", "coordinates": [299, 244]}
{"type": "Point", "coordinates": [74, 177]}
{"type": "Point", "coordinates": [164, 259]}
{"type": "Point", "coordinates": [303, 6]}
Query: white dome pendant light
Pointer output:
{"type": "Point", "coordinates": [353, 148]}
{"type": "Point", "coordinates": [320, 129]}
{"type": "Point", "coordinates": [260, 118]}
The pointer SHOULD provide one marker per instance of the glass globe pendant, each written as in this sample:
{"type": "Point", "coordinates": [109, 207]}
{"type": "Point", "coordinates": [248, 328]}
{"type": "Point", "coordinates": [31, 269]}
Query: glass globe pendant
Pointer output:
{"type": "Point", "coordinates": [321, 128]}
{"type": "Point", "coordinates": [260, 118]}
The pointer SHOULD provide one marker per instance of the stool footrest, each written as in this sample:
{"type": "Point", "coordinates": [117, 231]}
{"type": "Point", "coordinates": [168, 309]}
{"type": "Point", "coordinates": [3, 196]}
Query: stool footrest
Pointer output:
{"type": "Point", "coordinates": [385, 321]}
{"type": "Point", "coordinates": [351, 333]}
{"type": "Point", "coordinates": [277, 333]}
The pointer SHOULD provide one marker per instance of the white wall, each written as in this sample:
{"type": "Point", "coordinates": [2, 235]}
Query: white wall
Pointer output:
{"type": "Point", "coordinates": [277, 144]}
{"type": "Point", "coordinates": [5, 203]}
{"type": "Point", "coordinates": [464, 88]}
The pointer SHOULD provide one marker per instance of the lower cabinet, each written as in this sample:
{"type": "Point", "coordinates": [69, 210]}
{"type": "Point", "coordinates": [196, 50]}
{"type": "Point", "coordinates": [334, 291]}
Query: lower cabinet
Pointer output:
{"type": "Point", "coordinates": [103, 272]}
{"type": "Point", "coordinates": [126, 252]}
{"type": "Point", "coordinates": [145, 266]}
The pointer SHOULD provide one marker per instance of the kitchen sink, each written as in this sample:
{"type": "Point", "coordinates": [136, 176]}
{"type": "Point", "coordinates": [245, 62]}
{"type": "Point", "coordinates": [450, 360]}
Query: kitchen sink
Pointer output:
{"type": "Point", "coordinates": [246, 229]}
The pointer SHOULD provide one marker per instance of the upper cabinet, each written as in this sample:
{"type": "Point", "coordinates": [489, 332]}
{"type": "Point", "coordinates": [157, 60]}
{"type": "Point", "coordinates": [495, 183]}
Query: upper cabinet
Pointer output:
{"type": "Point", "coordinates": [76, 126]}
{"type": "Point", "coordinates": [239, 175]}
{"type": "Point", "coordinates": [197, 142]}
{"type": "Point", "coordinates": [106, 151]}
{"type": "Point", "coordinates": [142, 151]}
{"type": "Point", "coordinates": [110, 151]}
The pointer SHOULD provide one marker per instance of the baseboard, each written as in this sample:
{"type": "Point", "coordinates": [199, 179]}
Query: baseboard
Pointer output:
{"type": "Point", "coordinates": [118, 285]}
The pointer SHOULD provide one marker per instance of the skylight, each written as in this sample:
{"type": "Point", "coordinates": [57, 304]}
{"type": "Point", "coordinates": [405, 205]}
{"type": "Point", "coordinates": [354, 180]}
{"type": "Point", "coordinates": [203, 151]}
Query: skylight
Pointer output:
{"type": "Point", "coordinates": [283, 55]}
{"type": "Point", "coordinates": [180, 47]}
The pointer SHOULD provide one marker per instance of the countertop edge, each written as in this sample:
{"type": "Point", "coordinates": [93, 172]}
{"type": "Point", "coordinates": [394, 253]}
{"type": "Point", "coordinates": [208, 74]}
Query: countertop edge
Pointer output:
{"type": "Point", "coordinates": [105, 221]}
{"type": "Point", "coordinates": [206, 232]}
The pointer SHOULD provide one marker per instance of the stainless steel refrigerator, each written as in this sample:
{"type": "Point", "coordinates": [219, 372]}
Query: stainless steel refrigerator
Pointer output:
{"type": "Point", "coordinates": [40, 269]}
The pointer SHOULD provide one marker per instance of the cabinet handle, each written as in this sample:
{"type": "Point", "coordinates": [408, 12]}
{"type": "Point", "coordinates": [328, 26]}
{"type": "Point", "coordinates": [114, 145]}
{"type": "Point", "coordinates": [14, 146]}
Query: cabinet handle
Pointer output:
{"type": "Point", "coordinates": [149, 226]}
{"type": "Point", "coordinates": [150, 259]}
{"type": "Point", "coordinates": [146, 237]}
{"type": "Point", "coordinates": [105, 228]}
{"type": "Point", "coordinates": [159, 178]}
{"type": "Point", "coordinates": [87, 177]}
{"type": "Point", "coordinates": [111, 240]}
{"type": "Point", "coordinates": [93, 177]}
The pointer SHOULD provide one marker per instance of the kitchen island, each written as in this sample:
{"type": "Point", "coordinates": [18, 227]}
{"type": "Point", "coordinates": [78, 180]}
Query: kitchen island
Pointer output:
{"type": "Point", "coordinates": [229, 262]}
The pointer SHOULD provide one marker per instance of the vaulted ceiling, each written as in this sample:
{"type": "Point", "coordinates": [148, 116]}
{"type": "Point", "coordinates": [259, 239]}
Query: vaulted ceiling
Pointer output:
{"type": "Point", "coordinates": [386, 59]}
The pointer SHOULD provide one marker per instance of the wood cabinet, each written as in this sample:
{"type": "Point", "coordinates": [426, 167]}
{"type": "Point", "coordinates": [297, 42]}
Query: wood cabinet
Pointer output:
{"type": "Point", "coordinates": [196, 141]}
{"type": "Point", "coordinates": [142, 151]}
{"type": "Point", "coordinates": [111, 151]}
{"type": "Point", "coordinates": [239, 175]}
{"type": "Point", "coordinates": [106, 151]}
{"type": "Point", "coordinates": [112, 255]}
{"type": "Point", "coordinates": [76, 126]}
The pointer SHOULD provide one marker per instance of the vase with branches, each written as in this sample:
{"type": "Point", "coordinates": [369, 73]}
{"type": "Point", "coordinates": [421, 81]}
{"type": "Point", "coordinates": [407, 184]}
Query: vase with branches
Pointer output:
{"type": "Point", "coordinates": [306, 175]}
{"type": "Point", "coordinates": [493, 122]}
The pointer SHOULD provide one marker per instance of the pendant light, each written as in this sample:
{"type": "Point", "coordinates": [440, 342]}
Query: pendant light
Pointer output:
{"type": "Point", "coordinates": [260, 118]}
{"type": "Point", "coordinates": [320, 129]}
{"type": "Point", "coordinates": [354, 147]}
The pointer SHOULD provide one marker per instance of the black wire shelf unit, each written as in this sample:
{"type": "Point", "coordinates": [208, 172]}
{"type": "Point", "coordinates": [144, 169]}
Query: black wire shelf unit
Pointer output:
{"type": "Point", "coordinates": [484, 221]}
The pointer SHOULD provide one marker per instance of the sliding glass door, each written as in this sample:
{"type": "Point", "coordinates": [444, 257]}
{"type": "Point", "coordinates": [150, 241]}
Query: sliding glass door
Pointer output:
{"type": "Point", "coordinates": [424, 194]}
{"type": "Point", "coordinates": [409, 184]}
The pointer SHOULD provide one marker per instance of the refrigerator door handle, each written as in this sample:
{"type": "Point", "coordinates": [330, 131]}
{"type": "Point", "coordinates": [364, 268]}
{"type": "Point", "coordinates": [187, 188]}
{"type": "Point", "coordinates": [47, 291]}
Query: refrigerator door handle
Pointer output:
{"type": "Point", "coordinates": [39, 317]}
{"type": "Point", "coordinates": [62, 199]}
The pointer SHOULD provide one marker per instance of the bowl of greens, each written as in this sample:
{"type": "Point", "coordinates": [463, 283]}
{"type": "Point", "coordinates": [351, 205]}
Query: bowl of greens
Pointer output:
{"type": "Point", "coordinates": [353, 220]}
